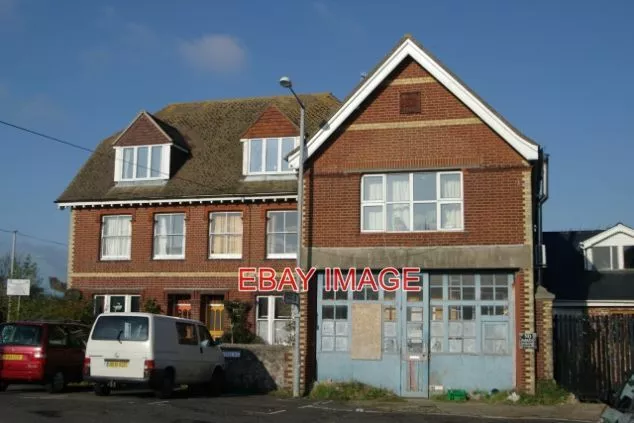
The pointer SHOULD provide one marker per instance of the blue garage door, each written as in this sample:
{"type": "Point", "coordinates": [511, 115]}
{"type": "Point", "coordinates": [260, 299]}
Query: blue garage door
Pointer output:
{"type": "Point", "coordinates": [455, 333]}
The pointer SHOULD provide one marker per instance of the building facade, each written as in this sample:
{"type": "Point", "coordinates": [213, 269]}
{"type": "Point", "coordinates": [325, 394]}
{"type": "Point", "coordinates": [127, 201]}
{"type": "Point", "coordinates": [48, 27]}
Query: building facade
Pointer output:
{"type": "Point", "coordinates": [414, 170]}
{"type": "Point", "coordinates": [171, 207]}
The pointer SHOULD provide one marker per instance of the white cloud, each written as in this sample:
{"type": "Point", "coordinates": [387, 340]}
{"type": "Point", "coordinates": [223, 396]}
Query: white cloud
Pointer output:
{"type": "Point", "coordinates": [215, 53]}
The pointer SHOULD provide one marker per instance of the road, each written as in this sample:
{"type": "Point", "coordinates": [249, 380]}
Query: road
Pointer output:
{"type": "Point", "coordinates": [32, 404]}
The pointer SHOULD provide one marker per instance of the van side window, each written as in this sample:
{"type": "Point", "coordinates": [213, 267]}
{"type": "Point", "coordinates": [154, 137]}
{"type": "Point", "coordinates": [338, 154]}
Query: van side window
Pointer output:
{"type": "Point", "coordinates": [186, 333]}
{"type": "Point", "coordinates": [205, 337]}
{"type": "Point", "coordinates": [57, 337]}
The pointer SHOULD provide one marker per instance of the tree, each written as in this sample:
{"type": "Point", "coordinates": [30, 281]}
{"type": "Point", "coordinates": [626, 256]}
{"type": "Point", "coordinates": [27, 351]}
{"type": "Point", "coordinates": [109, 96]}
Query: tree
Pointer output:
{"type": "Point", "coordinates": [24, 268]}
{"type": "Point", "coordinates": [240, 332]}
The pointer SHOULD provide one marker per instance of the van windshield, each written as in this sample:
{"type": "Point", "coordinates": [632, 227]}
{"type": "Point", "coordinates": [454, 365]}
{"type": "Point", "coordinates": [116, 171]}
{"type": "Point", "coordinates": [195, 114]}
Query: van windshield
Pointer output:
{"type": "Point", "coordinates": [12, 334]}
{"type": "Point", "coordinates": [121, 328]}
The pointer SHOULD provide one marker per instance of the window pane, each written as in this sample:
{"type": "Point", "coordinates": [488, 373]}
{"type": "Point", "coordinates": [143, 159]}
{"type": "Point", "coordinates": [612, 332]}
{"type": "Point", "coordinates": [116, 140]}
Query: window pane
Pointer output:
{"type": "Point", "coordinates": [397, 188]}
{"type": "Point", "coordinates": [142, 165]}
{"type": "Point", "coordinates": [372, 218]}
{"type": "Point", "coordinates": [131, 328]}
{"type": "Point", "coordinates": [290, 246]}
{"type": "Point", "coordinates": [372, 188]}
{"type": "Point", "coordinates": [290, 223]}
{"type": "Point", "coordinates": [178, 224]}
{"type": "Point", "coordinates": [436, 313]}
{"type": "Point", "coordinates": [628, 257]}
{"type": "Point", "coordinates": [436, 287]}
{"type": "Point", "coordinates": [450, 186]}
{"type": "Point", "coordinates": [263, 307]}
{"type": "Point", "coordinates": [328, 294]}
{"type": "Point", "coordinates": [468, 312]}
{"type": "Point", "coordinates": [156, 161]}
{"type": "Point", "coordinates": [276, 222]}
{"type": "Point", "coordinates": [276, 244]}
{"type": "Point", "coordinates": [615, 257]}
{"type": "Point", "coordinates": [272, 154]}
{"type": "Point", "coordinates": [341, 312]}
{"type": "Point", "coordinates": [328, 343]}
{"type": "Point", "coordinates": [424, 217]}
{"type": "Point", "coordinates": [601, 257]}
{"type": "Point", "coordinates": [287, 146]}
{"type": "Point", "coordinates": [135, 304]}
{"type": "Point", "coordinates": [424, 186]}
{"type": "Point", "coordinates": [128, 163]}
{"type": "Point", "coordinates": [282, 311]}
{"type": "Point", "coordinates": [450, 216]}
{"type": "Point", "coordinates": [486, 292]}
{"type": "Point", "coordinates": [327, 312]}
{"type": "Point", "coordinates": [255, 156]}
{"type": "Point", "coordinates": [117, 304]}
{"type": "Point", "coordinates": [397, 217]}
{"type": "Point", "coordinates": [263, 330]}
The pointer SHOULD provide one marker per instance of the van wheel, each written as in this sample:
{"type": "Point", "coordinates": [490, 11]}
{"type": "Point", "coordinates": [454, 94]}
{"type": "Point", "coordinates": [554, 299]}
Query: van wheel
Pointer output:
{"type": "Point", "coordinates": [102, 390]}
{"type": "Point", "coordinates": [166, 385]}
{"type": "Point", "coordinates": [56, 383]}
{"type": "Point", "coordinates": [216, 384]}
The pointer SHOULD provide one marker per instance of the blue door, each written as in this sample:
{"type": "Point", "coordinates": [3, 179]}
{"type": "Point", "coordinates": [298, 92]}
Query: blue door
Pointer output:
{"type": "Point", "coordinates": [414, 351]}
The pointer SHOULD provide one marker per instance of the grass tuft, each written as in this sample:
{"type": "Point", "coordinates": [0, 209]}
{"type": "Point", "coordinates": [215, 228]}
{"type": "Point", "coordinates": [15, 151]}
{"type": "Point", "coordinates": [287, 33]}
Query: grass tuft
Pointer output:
{"type": "Point", "coordinates": [351, 391]}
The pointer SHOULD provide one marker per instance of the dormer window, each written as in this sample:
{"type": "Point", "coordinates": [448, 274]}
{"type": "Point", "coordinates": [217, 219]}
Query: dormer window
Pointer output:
{"type": "Point", "coordinates": [142, 163]}
{"type": "Point", "coordinates": [266, 156]}
{"type": "Point", "coordinates": [612, 249]}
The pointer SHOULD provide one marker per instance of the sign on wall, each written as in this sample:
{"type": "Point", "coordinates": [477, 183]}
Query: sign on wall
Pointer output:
{"type": "Point", "coordinates": [528, 341]}
{"type": "Point", "coordinates": [18, 287]}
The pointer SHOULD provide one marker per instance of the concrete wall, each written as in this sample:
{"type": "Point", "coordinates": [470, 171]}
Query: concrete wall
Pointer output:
{"type": "Point", "coordinates": [257, 368]}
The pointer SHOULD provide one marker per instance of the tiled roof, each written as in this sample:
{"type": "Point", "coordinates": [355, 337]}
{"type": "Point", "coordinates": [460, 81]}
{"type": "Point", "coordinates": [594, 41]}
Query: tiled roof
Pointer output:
{"type": "Point", "coordinates": [210, 131]}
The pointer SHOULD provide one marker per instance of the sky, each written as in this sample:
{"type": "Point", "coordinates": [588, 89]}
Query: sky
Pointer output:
{"type": "Point", "coordinates": [560, 71]}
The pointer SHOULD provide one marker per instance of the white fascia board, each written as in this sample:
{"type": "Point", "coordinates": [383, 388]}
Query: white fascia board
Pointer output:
{"type": "Point", "coordinates": [527, 149]}
{"type": "Point", "coordinates": [607, 234]}
{"type": "Point", "coordinates": [177, 201]}
{"type": "Point", "coordinates": [607, 303]}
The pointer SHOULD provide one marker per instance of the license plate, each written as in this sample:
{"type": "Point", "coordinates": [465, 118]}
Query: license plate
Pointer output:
{"type": "Point", "coordinates": [117, 363]}
{"type": "Point", "coordinates": [12, 357]}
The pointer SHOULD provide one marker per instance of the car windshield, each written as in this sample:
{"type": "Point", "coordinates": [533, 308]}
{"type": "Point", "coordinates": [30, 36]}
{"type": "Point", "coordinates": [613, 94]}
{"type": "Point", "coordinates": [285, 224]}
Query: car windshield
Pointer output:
{"type": "Point", "coordinates": [121, 328]}
{"type": "Point", "coordinates": [14, 334]}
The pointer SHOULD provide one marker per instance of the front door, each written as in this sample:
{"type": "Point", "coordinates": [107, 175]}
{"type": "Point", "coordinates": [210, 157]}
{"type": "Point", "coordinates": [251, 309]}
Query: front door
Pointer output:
{"type": "Point", "coordinates": [215, 319]}
{"type": "Point", "coordinates": [415, 341]}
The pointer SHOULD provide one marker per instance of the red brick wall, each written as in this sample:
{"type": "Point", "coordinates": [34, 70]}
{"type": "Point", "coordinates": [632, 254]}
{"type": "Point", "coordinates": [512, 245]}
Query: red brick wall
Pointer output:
{"type": "Point", "coordinates": [142, 132]}
{"type": "Point", "coordinates": [271, 123]}
{"type": "Point", "coordinates": [493, 171]}
{"type": "Point", "coordinates": [88, 239]}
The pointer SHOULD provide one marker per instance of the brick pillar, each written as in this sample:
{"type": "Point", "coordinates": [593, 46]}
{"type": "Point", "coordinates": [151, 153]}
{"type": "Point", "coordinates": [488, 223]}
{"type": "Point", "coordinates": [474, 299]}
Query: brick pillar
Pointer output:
{"type": "Point", "coordinates": [544, 323]}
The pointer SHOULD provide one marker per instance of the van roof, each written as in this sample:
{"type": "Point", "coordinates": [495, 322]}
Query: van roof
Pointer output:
{"type": "Point", "coordinates": [151, 316]}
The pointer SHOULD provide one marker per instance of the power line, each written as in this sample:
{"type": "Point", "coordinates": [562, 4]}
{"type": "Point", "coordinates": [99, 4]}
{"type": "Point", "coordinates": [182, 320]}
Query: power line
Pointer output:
{"type": "Point", "coordinates": [50, 241]}
{"type": "Point", "coordinates": [77, 146]}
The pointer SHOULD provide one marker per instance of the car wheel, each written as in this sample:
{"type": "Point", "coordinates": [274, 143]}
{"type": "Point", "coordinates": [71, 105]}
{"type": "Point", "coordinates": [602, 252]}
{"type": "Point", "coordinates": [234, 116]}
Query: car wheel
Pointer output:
{"type": "Point", "coordinates": [56, 383]}
{"type": "Point", "coordinates": [3, 386]}
{"type": "Point", "coordinates": [216, 384]}
{"type": "Point", "coordinates": [166, 386]}
{"type": "Point", "coordinates": [102, 390]}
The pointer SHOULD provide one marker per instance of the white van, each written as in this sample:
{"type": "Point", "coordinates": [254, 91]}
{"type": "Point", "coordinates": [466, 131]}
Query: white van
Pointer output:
{"type": "Point", "coordinates": [154, 351]}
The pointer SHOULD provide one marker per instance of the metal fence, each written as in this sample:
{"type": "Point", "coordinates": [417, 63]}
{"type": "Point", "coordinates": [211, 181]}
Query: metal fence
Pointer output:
{"type": "Point", "coordinates": [592, 354]}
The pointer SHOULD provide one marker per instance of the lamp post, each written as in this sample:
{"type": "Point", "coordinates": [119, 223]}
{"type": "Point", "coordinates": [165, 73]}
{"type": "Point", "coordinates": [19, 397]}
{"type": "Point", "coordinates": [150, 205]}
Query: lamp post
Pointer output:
{"type": "Point", "coordinates": [286, 83]}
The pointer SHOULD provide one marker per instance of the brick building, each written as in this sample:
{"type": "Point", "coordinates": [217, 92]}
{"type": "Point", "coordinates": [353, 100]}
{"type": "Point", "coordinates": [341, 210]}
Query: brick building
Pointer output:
{"type": "Point", "coordinates": [169, 209]}
{"type": "Point", "coordinates": [411, 169]}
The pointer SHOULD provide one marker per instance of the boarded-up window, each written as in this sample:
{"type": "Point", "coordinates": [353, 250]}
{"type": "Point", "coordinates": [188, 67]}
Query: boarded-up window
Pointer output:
{"type": "Point", "coordinates": [410, 102]}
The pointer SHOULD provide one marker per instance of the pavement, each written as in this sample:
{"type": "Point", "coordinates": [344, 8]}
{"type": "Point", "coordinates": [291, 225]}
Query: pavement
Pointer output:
{"type": "Point", "coordinates": [33, 404]}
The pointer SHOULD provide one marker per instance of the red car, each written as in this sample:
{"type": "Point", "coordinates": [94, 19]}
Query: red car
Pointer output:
{"type": "Point", "coordinates": [48, 353]}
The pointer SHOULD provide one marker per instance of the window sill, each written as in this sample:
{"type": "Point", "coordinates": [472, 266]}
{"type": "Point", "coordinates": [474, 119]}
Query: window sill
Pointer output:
{"type": "Point", "coordinates": [440, 231]}
{"type": "Point", "coordinates": [115, 259]}
{"type": "Point", "coordinates": [168, 258]}
{"type": "Point", "coordinates": [281, 256]}
{"type": "Point", "coordinates": [225, 257]}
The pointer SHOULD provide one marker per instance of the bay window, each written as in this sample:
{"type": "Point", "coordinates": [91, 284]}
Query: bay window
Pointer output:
{"type": "Point", "coordinates": [412, 202]}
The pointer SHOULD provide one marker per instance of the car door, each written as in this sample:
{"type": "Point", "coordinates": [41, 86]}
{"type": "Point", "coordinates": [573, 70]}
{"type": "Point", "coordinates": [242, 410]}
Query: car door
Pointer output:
{"type": "Point", "coordinates": [77, 339]}
{"type": "Point", "coordinates": [209, 353]}
{"type": "Point", "coordinates": [57, 351]}
{"type": "Point", "coordinates": [189, 355]}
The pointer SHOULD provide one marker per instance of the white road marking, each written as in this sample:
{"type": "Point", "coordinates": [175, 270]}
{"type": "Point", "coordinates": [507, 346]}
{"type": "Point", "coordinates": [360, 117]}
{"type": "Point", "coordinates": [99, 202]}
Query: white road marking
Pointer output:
{"type": "Point", "coordinates": [276, 412]}
{"type": "Point", "coordinates": [158, 403]}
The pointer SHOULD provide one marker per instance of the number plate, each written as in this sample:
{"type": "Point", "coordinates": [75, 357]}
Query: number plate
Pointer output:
{"type": "Point", "coordinates": [12, 357]}
{"type": "Point", "coordinates": [117, 363]}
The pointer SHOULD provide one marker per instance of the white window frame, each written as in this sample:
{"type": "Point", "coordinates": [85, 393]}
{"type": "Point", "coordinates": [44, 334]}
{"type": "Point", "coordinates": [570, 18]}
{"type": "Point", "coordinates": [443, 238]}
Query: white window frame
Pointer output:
{"type": "Point", "coordinates": [156, 256]}
{"type": "Point", "coordinates": [280, 158]}
{"type": "Point", "coordinates": [103, 227]}
{"type": "Point", "coordinates": [620, 257]}
{"type": "Point", "coordinates": [270, 319]}
{"type": "Point", "coordinates": [108, 297]}
{"type": "Point", "coordinates": [241, 233]}
{"type": "Point", "coordinates": [438, 201]}
{"type": "Point", "coordinates": [269, 255]}
{"type": "Point", "coordinates": [163, 169]}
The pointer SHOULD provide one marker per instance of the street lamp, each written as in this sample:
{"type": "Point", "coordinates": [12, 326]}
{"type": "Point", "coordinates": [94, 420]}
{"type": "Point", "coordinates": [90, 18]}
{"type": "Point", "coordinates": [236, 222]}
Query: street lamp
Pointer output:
{"type": "Point", "coordinates": [285, 82]}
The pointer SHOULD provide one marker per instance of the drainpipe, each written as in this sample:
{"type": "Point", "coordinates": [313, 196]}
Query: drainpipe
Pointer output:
{"type": "Point", "coordinates": [542, 186]}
